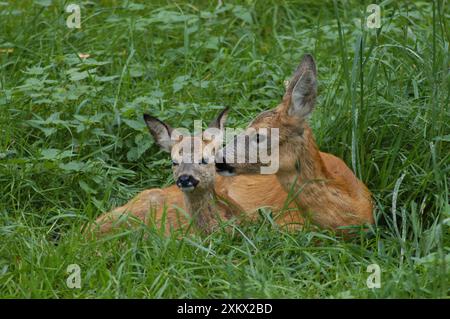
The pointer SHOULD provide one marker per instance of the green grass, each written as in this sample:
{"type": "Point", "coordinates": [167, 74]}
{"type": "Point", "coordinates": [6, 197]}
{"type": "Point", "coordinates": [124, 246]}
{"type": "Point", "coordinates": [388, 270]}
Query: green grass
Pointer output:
{"type": "Point", "coordinates": [73, 145]}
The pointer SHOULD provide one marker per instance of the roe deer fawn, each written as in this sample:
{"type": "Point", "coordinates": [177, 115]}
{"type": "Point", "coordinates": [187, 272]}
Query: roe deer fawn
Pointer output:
{"type": "Point", "coordinates": [324, 187]}
{"type": "Point", "coordinates": [200, 191]}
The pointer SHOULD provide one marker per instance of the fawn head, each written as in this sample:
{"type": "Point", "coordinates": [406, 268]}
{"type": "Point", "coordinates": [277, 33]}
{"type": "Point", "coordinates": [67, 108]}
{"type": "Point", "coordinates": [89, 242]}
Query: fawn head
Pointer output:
{"type": "Point", "coordinates": [289, 117]}
{"type": "Point", "coordinates": [192, 155]}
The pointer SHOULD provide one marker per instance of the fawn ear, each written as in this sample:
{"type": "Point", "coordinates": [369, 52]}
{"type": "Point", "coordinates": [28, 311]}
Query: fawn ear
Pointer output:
{"type": "Point", "coordinates": [160, 131]}
{"type": "Point", "coordinates": [302, 89]}
{"type": "Point", "coordinates": [219, 121]}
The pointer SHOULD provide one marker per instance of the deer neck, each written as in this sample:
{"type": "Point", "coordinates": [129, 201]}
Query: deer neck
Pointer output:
{"type": "Point", "coordinates": [331, 202]}
{"type": "Point", "coordinates": [202, 206]}
{"type": "Point", "coordinates": [305, 164]}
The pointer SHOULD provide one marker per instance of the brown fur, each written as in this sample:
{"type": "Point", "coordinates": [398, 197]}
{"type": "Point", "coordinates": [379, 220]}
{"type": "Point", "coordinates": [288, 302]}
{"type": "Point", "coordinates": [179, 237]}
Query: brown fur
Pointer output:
{"type": "Point", "coordinates": [166, 208]}
{"type": "Point", "coordinates": [325, 188]}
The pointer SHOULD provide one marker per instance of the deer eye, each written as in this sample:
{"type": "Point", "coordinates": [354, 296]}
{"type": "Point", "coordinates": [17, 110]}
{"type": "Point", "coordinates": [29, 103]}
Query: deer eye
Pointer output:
{"type": "Point", "coordinates": [260, 138]}
{"type": "Point", "coordinates": [174, 163]}
{"type": "Point", "coordinates": [204, 161]}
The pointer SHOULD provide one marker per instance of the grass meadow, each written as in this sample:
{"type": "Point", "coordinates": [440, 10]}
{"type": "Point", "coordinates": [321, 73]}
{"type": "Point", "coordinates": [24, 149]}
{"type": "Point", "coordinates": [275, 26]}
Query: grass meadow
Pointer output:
{"type": "Point", "coordinates": [73, 143]}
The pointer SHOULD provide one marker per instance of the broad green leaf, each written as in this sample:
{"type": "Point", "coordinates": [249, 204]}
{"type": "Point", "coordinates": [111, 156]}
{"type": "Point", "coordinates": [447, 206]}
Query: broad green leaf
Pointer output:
{"type": "Point", "coordinates": [137, 125]}
{"type": "Point", "coordinates": [73, 166]}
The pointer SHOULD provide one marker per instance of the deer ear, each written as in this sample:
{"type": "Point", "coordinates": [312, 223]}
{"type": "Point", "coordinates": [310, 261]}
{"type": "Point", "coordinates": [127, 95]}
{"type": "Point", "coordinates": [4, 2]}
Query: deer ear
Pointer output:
{"type": "Point", "coordinates": [160, 131]}
{"type": "Point", "coordinates": [215, 134]}
{"type": "Point", "coordinates": [302, 89]}
{"type": "Point", "coordinates": [219, 121]}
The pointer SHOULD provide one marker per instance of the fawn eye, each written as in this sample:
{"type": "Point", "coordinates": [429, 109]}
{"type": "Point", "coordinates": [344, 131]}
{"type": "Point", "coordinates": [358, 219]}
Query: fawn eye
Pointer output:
{"type": "Point", "coordinates": [175, 163]}
{"type": "Point", "coordinates": [204, 161]}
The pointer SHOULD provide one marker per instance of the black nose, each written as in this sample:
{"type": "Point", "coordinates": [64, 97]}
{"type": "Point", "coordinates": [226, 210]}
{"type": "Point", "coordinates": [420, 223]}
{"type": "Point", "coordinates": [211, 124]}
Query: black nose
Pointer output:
{"type": "Point", "coordinates": [187, 181]}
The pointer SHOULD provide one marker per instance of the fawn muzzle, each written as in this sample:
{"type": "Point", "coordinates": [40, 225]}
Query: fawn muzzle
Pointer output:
{"type": "Point", "coordinates": [187, 182]}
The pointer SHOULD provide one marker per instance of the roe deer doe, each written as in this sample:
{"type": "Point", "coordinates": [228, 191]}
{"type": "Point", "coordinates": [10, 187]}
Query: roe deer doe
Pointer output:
{"type": "Point", "coordinates": [205, 195]}
{"type": "Point", "coordinates": [324, 187]}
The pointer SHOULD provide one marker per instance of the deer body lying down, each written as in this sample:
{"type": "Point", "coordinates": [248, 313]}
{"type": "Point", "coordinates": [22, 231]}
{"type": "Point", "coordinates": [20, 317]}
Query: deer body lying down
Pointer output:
{"type": "Point", "coordinates": [165, 207]}
{"type": "Point", "coordinates": [204, 195]}
{"type": "Point", "coordinates": [324, 187]}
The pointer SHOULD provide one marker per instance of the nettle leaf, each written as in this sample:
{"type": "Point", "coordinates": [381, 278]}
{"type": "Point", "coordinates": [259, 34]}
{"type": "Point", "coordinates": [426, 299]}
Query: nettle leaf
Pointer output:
{"type": "Point", "coordinates": [136, 70]}
{"type": "Point", "coordinates": [48, 130]}
{"type": "Point", "coordinates": [81, 127]}
{"type": "Point", "coordinates": [200, 84]}
{"type": "Point", "coordinates": [35, 70]}
{"type": "Point", "coordinates": [243, 14]}
{"type": "Point", "coordinates": [192, 29]}
{"type": "Point", "coordinates": [33, 84]}
{"type": "Point", "coordinates": [6, 96]}
{"type": "Point", "coordinates": [157, 93]}
{"type": "Point", "coordinates": [180, 82]}
{"type": "Point", "coordinates": [77, 76]}
{"type": "Point", "coordinates": [149, 100]}
{"type": "Point", "coordinates": [212, 43]}
{"type": "Point", "coordinates": [97, 118]}
{"type": "Point", "coordinates": [55, 154]}
{"type": "Point", "coordinates": [73, 166]}
{"type": "Point", "coordinates": [142, 144]}
{"type": "Point", "coordinates": [132, 154]}
{"type": "Point", "coordinates": [136, 125]}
